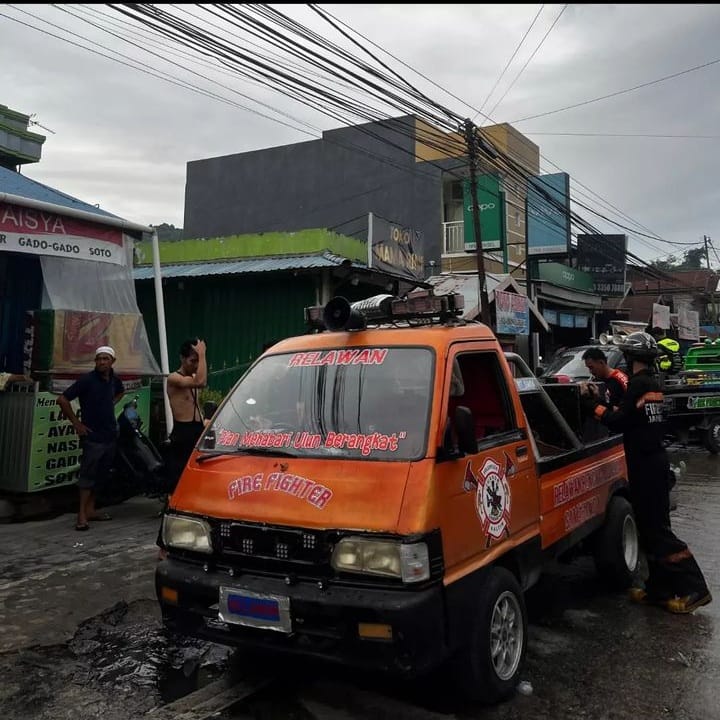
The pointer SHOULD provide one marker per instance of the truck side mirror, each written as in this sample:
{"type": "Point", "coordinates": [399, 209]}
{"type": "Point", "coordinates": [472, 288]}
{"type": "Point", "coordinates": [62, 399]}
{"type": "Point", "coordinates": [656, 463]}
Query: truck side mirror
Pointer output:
{"type": "Point", "coordinates": [209, 440]}
{"type": "Point", "coordinates": [465, 429]}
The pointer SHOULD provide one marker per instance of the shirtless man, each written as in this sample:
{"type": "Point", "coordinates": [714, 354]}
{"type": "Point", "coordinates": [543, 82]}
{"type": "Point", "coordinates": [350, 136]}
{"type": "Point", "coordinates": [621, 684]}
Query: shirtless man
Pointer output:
{"type": "Point", "coordinates": [182, 389]}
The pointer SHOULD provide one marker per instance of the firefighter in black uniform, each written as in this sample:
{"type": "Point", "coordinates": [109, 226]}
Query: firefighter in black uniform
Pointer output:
{"type": "Point", "coordinates": [675, 580]}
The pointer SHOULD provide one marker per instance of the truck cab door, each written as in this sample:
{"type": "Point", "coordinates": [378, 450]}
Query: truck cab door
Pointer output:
{"type": "Point", "coordinates": [491, 493]}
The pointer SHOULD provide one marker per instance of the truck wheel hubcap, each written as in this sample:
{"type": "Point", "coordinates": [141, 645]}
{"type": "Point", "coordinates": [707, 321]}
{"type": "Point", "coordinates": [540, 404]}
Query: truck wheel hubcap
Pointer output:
{"type": "Point", "coordinates": [506, 636]}
{"type": "Point", "coordinates": [630, 543]}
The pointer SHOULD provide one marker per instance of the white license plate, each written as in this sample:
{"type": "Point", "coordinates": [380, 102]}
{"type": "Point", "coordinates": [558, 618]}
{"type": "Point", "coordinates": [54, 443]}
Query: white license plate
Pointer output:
{"type": "Point", "coordinates": [258, 610]}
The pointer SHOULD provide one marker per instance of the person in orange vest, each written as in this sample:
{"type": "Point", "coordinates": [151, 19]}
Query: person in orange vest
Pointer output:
{"type": "Point", "coordinates": [616, 381]}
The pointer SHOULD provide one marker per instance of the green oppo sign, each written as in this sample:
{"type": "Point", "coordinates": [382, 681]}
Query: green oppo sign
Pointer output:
{"type": "Point", "coordinates": [565, 276]}
{"type": "Point", "coordinates": [491, 203]}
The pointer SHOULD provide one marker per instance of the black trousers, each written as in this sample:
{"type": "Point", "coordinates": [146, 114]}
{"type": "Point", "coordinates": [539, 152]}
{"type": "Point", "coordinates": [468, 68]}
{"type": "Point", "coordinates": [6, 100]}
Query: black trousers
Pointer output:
{"type": "Point", "coordinates": [183, 438]}
{"type": "Point", "coordinates": [673, 571]}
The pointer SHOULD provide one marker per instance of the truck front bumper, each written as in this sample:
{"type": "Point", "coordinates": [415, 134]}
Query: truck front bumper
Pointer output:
{"type": "Point", "coordinates": [324, 622]}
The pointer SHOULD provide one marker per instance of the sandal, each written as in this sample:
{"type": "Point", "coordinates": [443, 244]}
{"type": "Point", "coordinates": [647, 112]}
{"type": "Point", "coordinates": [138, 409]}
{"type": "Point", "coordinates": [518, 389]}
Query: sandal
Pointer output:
{"type": "Point", "coordinates": [82, 527]}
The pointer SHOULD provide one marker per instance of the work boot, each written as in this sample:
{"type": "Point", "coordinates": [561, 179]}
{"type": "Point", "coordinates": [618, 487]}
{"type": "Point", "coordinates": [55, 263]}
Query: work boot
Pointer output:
{"type": "Point", "coordinates": [641, 597]}
{"type": "Point", "coordinates": [638, 595]}
{"type": "Point", "coordinates": [687, 603]}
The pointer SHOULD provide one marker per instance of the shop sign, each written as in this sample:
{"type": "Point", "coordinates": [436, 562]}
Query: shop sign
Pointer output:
{"type": "Point", "coordinates": [55, 446]}
{"type": "Point", "coordinates": [37, 232]}
{"type": "Point", "coordinates": [548, 215]}
{"type": "Point", "coordinates": [603, 256]}
{"type": "Point", "coordinates": [397, 250]}
{"type": "Point", "coordinates": [511, 313]}
{"type": "Point", "coordinates": [565, 276]}
{"type": "Point", "coordinates": [491, 203]}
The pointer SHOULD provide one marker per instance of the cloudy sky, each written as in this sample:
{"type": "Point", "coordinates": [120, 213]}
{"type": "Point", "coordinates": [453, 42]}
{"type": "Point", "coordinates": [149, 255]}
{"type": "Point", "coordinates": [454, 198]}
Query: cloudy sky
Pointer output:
{"type": "Point", "coordinates": [121, 137]}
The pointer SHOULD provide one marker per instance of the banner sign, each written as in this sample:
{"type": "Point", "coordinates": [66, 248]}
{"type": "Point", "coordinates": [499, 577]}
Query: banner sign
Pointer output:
{"type": "Point", "coordinates": [491, 203]}
{"type": "Point", "coordinates": [36, 232]}
{"type": "Point", "coordinates": [660, 316]}
{"type": "Point", "coordinates": [55, 447]}
{"type": "Point", "coordinates": [397, 250]}
{"type": "Point", "coordinates": [603, 256]}
{"type": "Point", "coordinates": [688, 324]}
{"type": "Point", "coordinates": [64, 341]}
{"type": "Point", "coordinates": [548, 214]}
{"type": "Point", "coordinates": [511, 313]}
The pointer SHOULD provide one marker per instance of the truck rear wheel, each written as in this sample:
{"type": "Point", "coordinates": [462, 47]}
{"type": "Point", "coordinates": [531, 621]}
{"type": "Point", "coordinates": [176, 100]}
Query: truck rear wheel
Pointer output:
{"type": "Point", "coordinates": [712, 435]}
{"type": "Point", "coordinates": [488, 668]}
{"type": "Point", "coordinates": [617, 546]}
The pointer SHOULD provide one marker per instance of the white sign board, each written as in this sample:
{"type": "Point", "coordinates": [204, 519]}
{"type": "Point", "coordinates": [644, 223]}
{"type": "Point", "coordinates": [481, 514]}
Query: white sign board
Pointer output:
{"type": "Point", "coordinates": [660, 316]}
{"type": "Point", "coordinates": [688, 324]}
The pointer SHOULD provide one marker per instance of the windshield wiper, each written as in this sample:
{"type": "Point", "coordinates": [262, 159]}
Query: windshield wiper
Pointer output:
{"type": "Point", "coordinates": [273, 452]}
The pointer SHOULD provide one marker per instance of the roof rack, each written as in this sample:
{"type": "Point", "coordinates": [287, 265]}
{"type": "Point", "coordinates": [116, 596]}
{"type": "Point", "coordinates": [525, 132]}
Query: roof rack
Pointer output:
{"type": "Point", "coordinates": [423, 305]}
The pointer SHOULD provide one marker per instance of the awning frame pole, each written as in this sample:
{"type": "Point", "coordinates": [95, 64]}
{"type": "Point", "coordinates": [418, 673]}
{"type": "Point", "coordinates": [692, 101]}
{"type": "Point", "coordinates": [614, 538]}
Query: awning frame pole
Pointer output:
{"type": "Point", "coordinates": [162, 332]}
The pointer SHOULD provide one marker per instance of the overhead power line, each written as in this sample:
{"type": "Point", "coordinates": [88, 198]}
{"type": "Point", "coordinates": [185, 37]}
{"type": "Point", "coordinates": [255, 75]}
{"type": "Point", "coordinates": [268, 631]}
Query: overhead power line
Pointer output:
{"type": "Point", "coordinates": [527, 62]}
{"type": "Point", "coordinates": [382, 91]}
{"type": "Point", "coordinates": [618, 92]}
{"type": "Point", "coordinates": [507, 65]}
{"type": "Point", "coordinates": [603, 201]}
{"type": "Point", "coordinates": [623, 135]}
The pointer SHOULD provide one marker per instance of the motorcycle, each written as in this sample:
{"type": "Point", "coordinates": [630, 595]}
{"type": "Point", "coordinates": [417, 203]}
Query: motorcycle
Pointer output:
{"type": "Point", "coordinates": [138, 464]}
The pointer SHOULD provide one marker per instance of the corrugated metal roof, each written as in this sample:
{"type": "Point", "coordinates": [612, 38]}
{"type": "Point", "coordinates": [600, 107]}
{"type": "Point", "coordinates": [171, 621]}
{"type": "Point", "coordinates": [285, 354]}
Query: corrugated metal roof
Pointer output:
{"type": "Point", "coordinates": [14, 183]}
{"type": "Point", "coordinates": [468, 287]}
{"type": "Point", "coordinates": [248, 265]}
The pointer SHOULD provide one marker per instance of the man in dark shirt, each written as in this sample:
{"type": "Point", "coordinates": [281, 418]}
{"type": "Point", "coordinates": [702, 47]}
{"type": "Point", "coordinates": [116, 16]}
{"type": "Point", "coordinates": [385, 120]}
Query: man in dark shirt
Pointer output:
{"type": "Point", "coordinates": [98, 391]}
{"type": "Point", "coordinates": [675, 580]}
{"type": "Point", "coordinates": [615, 380]}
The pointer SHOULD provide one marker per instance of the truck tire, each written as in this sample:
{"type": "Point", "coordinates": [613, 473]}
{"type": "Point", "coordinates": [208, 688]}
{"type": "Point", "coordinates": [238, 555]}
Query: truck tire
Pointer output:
{"type": "Point", "coordinates": [712, 435]}
{"type": "Point", "coordinates": [617, 546]}
{"type": "Point", "coordinates": [487, 669]}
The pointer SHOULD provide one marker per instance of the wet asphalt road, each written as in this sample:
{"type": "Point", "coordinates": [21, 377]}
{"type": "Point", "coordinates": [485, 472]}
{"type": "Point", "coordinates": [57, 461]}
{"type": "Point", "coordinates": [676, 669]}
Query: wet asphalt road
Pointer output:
{"type": "Point", "coordinates": [80, 636]}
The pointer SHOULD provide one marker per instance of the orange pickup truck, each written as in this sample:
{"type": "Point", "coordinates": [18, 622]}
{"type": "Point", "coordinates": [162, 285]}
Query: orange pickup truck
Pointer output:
{"type": "Point", "coordinates": [384, 492]}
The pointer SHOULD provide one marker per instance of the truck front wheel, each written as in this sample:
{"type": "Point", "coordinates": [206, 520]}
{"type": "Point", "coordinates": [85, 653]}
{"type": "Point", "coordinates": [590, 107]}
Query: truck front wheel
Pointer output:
{"type": "Point", "coordinates": [712, 435]}
{"type": "Point", "coordinates": [488, 668]}
{"type": "Point", "coordinates": [617, 547]}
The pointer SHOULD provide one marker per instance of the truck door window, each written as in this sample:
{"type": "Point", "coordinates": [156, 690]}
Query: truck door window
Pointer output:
{"type": "Point", "coordinates": [477, 383]}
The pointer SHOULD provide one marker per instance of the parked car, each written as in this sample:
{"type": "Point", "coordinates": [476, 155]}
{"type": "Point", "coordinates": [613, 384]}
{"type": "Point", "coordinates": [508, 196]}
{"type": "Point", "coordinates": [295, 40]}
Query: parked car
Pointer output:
{"type": "Point", "coordinates": [568, 365]}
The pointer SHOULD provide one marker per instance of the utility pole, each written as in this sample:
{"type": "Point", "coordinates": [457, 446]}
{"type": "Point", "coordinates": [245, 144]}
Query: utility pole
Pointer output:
{"type": "Point", "coordinates": [707, 252]}
{"type": "Point", "coordinates": [471, 141]}
{"type": "Point", "coordinates": [708, 242]}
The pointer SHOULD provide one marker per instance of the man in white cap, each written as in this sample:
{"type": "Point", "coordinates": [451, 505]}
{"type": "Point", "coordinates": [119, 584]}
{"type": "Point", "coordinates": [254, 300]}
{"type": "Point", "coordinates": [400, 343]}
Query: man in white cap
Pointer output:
{"type": "Point", "coordinates": [97, 391]}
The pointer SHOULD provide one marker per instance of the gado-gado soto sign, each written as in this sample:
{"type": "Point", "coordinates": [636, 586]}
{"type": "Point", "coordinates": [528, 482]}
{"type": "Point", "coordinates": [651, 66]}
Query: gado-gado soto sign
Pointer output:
{"type": "Point", "coordinates": [27, 230]}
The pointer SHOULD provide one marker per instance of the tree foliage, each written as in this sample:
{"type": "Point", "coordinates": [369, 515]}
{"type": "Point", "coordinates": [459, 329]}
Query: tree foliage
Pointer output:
{"type": "Point", "coordinates": [693, 259]}
{"type": "Point", "coordinates": [166, 231]}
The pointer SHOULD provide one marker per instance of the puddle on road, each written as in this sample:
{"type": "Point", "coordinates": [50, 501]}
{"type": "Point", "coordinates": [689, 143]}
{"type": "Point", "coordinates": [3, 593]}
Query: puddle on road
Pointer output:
{"type": "Point", "coordinates": [124, 646]}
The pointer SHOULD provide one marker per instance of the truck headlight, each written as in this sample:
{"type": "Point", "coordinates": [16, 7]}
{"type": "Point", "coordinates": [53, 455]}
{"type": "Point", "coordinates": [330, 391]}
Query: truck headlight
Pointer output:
{"type": "Point", "coordinates": [184, 533]}
{"type": "Point", "coordinates": [410, 562]}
